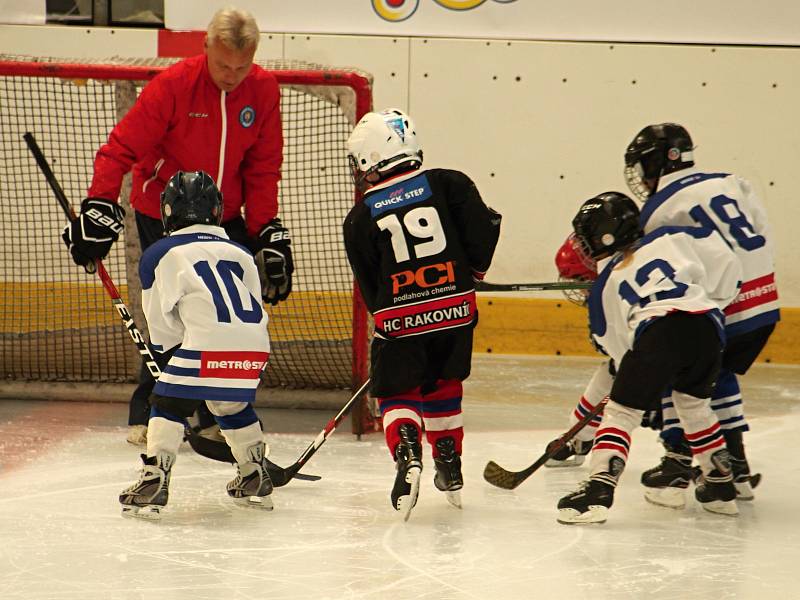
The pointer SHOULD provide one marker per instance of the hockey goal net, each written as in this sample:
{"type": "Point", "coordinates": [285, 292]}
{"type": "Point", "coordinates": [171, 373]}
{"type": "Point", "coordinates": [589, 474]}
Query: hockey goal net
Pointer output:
{"type": "Point", "coordinates": [57, 324]}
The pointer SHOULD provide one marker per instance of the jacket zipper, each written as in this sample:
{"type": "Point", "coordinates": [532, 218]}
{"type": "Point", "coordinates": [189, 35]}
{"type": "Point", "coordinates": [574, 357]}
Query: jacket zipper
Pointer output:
{"type": "Point", "coordinates": [223, 140]}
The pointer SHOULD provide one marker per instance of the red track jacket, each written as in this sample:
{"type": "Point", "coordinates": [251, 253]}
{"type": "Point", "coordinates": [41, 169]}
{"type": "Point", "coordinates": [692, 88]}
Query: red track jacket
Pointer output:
{"type": "Point", "coordinates": [182, 121]}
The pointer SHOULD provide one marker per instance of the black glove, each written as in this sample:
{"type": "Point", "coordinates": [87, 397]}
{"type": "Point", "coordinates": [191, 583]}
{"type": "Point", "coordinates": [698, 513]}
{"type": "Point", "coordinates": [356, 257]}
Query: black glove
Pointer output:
{"type": "Point", "coordinates": [90, 236]}
{"type": "Point", "coordinates": [274, 260]}
{"type": "Point", "coordinates": [654, 419]}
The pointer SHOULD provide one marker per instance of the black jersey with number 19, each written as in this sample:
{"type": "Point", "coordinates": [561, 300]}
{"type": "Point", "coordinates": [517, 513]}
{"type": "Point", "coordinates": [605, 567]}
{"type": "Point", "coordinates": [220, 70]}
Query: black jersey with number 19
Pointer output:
{"type": "Point", "coordinates": [417, 243]}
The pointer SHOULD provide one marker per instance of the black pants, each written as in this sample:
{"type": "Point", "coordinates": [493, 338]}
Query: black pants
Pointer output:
{"type": "Point", "coordinates": [403, 364]}
{"type": "Point", "coordinates": [680, 350]}
{"type": "Point", "coordinates": [150, 231]}
{"type": "Point", "coordinates": [742, 350]}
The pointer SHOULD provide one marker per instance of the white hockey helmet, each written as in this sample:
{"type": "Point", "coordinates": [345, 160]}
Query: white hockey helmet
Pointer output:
{"type": "Point", "coordinates": [381, 142]}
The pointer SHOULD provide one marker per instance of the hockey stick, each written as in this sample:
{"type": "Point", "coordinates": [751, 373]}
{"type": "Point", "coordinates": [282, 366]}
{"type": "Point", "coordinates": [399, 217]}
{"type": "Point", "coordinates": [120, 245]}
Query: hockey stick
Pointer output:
{"type": "Point", "coordinates": [223, 453]}
{"type": "Point", "coordinates": [108, 284]}
{"type": "Point", "coordinates": [274, 470]}
{"type": "Point", "coordinates": [485, 286]}
{"type": "Point", "coordinates": [508, 480]}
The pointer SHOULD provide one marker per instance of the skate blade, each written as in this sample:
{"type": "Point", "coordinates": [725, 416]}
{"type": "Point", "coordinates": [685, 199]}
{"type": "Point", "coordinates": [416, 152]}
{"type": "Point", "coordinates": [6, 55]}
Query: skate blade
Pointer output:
{"type": "Point", "coordinates": [721, 507]}
{"type": "Point", "coordinates": [259, 502]}
{"type": "Point", "coordinates": [744, 489]}
{"type": "Point", "coordinates": [146, 513]}
{"type": "Point", "coordinates": [596, 514]}
{"type": "Point", "coordinates": [668, 497]}
{"type": "Point", "coordinates": [406, 503]}
{"type": "Point", "coordinates": [454, 498]}
{"type": "Point", "coordinates": [573, 461]}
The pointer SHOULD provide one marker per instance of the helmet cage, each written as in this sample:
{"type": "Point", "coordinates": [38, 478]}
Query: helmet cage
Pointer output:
{"type": "Point", "coordinates": [634, 177]}
{"type": "Point", "coordinates": [575, 265]}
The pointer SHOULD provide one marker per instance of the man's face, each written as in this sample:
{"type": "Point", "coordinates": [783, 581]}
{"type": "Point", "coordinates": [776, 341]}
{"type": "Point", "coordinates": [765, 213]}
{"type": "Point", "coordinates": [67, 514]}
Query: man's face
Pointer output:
{"type": "Point", "coordinates": [228, 67]}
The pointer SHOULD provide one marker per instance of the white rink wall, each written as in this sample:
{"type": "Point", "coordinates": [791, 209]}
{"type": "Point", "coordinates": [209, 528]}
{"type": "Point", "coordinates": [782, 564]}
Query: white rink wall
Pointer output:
{"type": "Point", "coordinates": [541, 126]}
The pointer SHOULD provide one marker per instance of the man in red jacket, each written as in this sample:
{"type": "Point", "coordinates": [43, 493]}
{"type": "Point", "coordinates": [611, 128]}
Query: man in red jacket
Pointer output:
{"type": "Point", "coordinates": [218, 113]}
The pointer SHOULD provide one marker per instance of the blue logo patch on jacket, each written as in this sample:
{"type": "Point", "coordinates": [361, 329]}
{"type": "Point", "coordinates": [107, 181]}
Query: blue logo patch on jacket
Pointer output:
{"type": "Point", "coordinates": [399, 195]}
{"type": "Point", "coordinates": [247, 116]}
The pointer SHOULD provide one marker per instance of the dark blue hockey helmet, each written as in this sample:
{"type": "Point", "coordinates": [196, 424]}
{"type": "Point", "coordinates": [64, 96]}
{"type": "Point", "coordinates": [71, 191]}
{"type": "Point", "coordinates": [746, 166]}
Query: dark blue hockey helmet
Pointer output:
{"type": "Point", "coordinates": [607, 223]}
{"type": "Point", "coordinates": [190, 198]}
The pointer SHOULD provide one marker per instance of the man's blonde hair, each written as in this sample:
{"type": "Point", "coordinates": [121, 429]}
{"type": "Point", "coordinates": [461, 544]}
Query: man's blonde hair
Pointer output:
{"type": "Point", "coordinates": [234, 27]}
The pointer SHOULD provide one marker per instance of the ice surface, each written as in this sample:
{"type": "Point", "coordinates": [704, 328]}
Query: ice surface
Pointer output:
{"type": "Point", "coordinates": [62, 536]}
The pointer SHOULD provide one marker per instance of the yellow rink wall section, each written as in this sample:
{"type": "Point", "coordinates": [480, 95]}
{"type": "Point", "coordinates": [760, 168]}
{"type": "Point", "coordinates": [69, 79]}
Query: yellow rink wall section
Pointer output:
{"type": "Point", "coordinates": [40, 307]}
{"type": "Point", "coordinates": [553, 327]}
{"type": "Point", "coordinates": [507, 325]}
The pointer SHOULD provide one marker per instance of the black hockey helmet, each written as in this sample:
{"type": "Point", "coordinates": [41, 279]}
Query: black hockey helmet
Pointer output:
{"type": "Point", "coordinates": [655, 151]}
{"type": "Point", "coordinates": [190, 198]}
{"type": "Point", "coordinates": [607, 223]}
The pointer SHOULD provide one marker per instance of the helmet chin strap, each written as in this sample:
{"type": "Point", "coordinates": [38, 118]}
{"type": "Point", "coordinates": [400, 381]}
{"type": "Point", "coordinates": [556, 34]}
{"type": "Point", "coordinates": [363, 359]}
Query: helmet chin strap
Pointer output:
{"type": "Point", "coordinates": [652, 184]}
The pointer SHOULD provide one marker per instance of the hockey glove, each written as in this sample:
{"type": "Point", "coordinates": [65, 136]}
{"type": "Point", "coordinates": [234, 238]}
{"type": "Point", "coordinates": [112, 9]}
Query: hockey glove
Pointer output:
{"type": "Point", "coordinates": [90, 236]}
{"type": "Point", "coordinates": [274, 260]}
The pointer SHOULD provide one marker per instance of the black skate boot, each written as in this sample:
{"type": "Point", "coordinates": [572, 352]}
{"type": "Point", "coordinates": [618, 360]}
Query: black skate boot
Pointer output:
{"type": "Point", "coordinates": [744, 481]}
{"type": "Point", "coordinates": [448, 478]}
{"type": "Point", "coordinates": [665, 485]}
{"type": "Point", "coordinates": [571, 455]}
{"type": "Point", "coordinates": [715, 491]}
{"type": "Point", "coordinates": [591, 501]}
{"type": "Point", "coordinates": [252, 486]}
{"type": "Point", "coordinates": [145, 498]}
{"type": "Point", "coordinates": [408, 461]}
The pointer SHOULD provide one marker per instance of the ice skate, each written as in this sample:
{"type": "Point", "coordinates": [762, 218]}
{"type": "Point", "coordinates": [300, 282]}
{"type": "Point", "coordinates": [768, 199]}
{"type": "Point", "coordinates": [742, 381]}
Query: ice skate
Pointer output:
{"type": "Point", "coordinates": [571, 455]}
{"type": "Point", "coordinates": [146, 498]}
{"type": "Point", "coordinates": [252, 486]}
{"type": "Point", "coordinates": [665, 484]}
{"type": "Point", "coordinates": [743, 480]}
{"type": "Point", "coordinates": [408, 461]}
{"type": "Point", "coordinates": [588, 504]}
{"type": "Point", "coordinates": [448, 478]}
{"type": "Point", "coordinates": [137, 435]}
{"type": "Point", "coordinates": [591, 501]}
{"type": "Point", "coordinates": [715, 491]}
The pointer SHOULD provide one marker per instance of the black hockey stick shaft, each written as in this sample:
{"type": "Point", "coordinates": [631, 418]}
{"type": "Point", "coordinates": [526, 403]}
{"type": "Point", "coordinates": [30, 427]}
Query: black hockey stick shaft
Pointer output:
{"type": "Point", "coordinates": [220, 451]}
{"type": "Point", "coordinates": [485, 286]}
{"type": "Point", "coordinates": [105, 278]}
{"type": "Point", "coordinates": [508, 480]}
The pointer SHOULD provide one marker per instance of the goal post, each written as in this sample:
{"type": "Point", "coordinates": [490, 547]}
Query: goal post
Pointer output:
{"type": "Point", "coordinates": [56, 324]}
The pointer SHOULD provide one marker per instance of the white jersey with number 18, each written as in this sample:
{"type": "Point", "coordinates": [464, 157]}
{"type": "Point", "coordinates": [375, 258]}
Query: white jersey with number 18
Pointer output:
{"type": "Point", "coordinates": [727, 204]}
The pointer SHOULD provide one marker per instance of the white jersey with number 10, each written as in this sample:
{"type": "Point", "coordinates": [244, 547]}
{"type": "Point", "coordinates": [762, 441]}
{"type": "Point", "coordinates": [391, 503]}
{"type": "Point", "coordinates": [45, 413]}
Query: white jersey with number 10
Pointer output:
{"type": "Point", "coordinates": [201, 292]}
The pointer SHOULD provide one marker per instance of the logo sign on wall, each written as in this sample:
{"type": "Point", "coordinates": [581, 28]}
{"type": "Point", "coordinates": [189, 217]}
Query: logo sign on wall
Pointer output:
{"type": "Point", "coordinates": [400, 10]}
{"type": "Point", "coordinates": [687, 21]}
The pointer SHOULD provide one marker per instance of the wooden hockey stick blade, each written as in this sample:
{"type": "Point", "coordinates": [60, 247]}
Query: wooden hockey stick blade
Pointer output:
{"type": "Point", "coordinates": [221, 452]}
{"type": "Point", "coordinates": [508, 480]}
{"type": "Point", "coordinates": [485, 286]}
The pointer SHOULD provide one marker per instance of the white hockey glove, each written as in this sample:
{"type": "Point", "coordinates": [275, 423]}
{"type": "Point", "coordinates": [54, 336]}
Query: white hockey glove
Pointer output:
{"type": "Point", "coordinates": [274, 260]}
{"type": "Point", "coordinates": [90, 236]}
